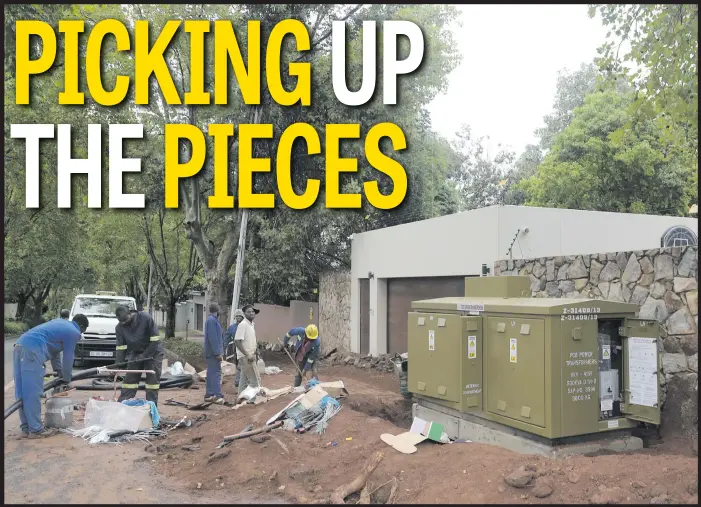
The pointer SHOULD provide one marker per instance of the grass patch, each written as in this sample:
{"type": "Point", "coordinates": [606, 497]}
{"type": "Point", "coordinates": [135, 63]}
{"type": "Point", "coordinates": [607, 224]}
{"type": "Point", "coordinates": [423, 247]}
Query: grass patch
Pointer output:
{"type": "Point", "coordinates": [183, 347]}
{"type": "Point", "coordinates": [14, 328]}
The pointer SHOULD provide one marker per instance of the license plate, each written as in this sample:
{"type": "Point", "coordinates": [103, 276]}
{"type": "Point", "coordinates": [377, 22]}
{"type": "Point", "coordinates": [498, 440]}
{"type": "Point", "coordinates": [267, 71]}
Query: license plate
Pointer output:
{"type": "Point", "coordinates": [97, 353]}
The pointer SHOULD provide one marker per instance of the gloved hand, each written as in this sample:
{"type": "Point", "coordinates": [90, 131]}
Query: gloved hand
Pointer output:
{"type": "Point", "coordinates": [251, 359]}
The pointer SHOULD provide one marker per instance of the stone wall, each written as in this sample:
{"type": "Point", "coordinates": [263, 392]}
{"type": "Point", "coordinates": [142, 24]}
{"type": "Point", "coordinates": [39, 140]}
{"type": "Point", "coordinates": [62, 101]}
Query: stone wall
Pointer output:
{"type": "Point", "coordinates": [334, 310]}
{"type": "Point", "coordinates": [664, 282]}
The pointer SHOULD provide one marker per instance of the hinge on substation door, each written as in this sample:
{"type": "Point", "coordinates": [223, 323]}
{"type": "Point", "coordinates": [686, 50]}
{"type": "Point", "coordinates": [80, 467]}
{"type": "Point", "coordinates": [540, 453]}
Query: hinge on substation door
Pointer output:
{"type": "Point", "coordinates": [622, 331]}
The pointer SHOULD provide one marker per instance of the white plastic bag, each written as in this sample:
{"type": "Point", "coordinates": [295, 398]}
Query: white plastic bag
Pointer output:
{"type": "Point", "coordinates": [261, 365]}
{"type": "Point", "coordinates": [177, 369]}
{"type": "Point", "coordinates": [112, 415]}
{"type": "Point", "coordinates": [251, 392]}
{"type": "Point", "coordinates": [272, 370]}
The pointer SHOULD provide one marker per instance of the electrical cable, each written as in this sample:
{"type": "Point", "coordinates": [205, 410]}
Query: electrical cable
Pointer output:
{"type": "Point", "coordinates": [82, 375]}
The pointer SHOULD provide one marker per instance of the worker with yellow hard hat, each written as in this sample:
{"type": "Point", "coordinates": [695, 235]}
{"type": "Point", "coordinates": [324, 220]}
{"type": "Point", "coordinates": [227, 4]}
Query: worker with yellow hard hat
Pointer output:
{"type": "Point", "coordinates": [306, 348]}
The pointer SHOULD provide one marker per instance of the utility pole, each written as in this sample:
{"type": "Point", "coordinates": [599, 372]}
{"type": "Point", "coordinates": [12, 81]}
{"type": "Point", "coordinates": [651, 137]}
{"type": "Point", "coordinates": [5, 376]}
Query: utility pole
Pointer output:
{"type": "Point", "coordinates": [239, 266]}
{"type": "Point", "coordinates": [148, 293]}
{"type": "Point", "coordinates": [242, 245]}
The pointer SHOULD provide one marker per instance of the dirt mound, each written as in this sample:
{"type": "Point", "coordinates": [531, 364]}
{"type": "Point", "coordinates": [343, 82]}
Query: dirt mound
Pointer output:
{"type": "Point", "coordinates": [308, 468]}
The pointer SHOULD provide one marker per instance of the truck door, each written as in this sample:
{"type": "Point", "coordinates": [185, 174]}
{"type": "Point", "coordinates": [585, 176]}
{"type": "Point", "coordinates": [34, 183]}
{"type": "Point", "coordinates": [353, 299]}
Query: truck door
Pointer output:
{"type": "Point", "coordinates": [641, 370]}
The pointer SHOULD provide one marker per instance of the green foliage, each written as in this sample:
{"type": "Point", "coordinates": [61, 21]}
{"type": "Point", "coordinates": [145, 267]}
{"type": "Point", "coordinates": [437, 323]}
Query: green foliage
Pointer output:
{"type": "Point", "coordinates": [595, 165]}
{"type": "Point", "coordinates": [663, 41]}
{"type": "Point", "coordinates": [480, 180]}
{"type": "Point", "coordinates": [183, 347]}
{"type": "Point", "coordinates": [571, 88]}
{"type": "Point", "coordinates": [14, 328]}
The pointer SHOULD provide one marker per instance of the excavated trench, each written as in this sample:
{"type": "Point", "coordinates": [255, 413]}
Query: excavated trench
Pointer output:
{"type": "Point", "coordinates": [398, 412]}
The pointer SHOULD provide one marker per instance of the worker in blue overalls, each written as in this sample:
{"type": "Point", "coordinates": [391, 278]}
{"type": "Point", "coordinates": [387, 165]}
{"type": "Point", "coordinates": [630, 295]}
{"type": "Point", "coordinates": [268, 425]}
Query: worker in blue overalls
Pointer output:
{"type": "Point", "coordinates": [31, 351]}
{"type": "Point", "coordinates": [213, 354]}
{"type": "Point", "coordinates": [229, 343]}
{"type": "Point", "coordinates": [56, 356]}
{"type": "Point", "coordinates": [306, 350]}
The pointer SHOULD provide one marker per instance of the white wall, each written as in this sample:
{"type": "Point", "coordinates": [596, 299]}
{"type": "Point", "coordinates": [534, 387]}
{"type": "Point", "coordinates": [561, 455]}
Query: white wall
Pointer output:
{"type": "Point", "coordinates": [458, 244]}
{"type": "Point", "coordinates": [10, 310]}
{"type": "Point", "coordinates": [572, 232]}
{"type": "Point", "coordinates": [443, 246]}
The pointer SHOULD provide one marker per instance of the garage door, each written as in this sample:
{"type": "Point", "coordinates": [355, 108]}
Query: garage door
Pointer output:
{"type": "Point", "coordinates": [402, 291]}
{"type": "Point", "coordinates": [364, 316]}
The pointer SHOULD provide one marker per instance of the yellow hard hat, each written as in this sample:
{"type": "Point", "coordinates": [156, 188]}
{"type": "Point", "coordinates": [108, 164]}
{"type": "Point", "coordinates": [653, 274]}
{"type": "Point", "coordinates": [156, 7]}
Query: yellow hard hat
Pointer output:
{"type": "Point", "coordinates": [312, 332]}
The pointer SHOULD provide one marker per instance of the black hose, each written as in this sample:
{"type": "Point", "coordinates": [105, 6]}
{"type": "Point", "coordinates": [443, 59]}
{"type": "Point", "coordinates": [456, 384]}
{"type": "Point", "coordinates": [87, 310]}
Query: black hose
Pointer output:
{"type": "Point", "coordinates": [85, 374]}
{"type": "Point", "coordinates": [102, 384]}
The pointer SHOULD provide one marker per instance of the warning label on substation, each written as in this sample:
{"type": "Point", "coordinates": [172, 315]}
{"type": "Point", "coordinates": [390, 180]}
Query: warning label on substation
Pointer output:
{"type": "Point", "coordinates": [471, 347]}
{"type": "Point", "coordinates": [606, 352]}
{"type": "Point", "coordinates": [431, 339]}
{"type": "Point", "coordinates": [513, 350]}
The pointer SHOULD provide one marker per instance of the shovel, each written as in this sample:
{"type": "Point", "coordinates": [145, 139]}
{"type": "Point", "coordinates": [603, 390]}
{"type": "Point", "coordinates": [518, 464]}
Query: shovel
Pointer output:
{"type": "Point", "coordinates": [291, 359]}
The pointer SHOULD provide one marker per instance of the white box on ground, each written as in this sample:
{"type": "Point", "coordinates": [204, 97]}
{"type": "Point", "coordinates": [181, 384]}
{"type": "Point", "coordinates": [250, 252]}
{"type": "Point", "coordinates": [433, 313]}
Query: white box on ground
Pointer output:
{"type": "Point", "coordinates": [112, 415]}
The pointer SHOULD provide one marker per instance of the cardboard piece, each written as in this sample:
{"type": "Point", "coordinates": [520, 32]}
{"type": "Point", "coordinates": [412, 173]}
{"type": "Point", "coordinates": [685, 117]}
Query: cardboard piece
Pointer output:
{"type": "Point", "coordinates": [430, 430]}
{"type": "Point", "coordinates": [404, 442]}
{"type": "Point", "coordinates": [335, 389]}
{"type": "Point", "coordinates": [281, 412]}
{"type": "Point", "coordinates": [312, 397]}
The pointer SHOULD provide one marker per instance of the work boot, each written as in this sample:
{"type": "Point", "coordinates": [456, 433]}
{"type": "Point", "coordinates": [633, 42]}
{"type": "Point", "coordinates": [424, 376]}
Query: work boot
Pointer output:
{"type": "Point", "coordinates": [210, 399]}
{"type": "Point", "coordinates": [218, 401]}
{"type": "Point", "coordinates": [42, 434]}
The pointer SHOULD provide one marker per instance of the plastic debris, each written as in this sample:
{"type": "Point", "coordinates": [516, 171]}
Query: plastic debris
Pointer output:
{"type": "Point", "coordinates": [137, 402]}
{"type": "Point", "coordinates": [177, 368]}
{"type": "Point", "coordinates": [272, 370]}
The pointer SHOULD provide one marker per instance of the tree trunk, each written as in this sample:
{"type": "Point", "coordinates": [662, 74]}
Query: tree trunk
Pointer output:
{"type": "Point", "coordinates": [38, 311]}
{"type": "Point", "coordinates": [170, 320]}
{"type": "Point", "coordinates": [38, 300]}
{"type": "Point", "coordinates": [21, 306]}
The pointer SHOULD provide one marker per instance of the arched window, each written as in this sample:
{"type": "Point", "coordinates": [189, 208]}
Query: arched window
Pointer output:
{"type": "Point", "coordinates": [678, 236]}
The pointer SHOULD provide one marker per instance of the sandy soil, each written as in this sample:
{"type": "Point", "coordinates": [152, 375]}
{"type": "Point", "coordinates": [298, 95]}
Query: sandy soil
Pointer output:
{"type": "Point", "coordinates": [307, 468]}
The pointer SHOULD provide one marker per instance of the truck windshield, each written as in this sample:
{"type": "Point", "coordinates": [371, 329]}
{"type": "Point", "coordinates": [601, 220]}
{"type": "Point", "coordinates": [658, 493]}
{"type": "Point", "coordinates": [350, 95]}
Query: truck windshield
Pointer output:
{"type": "Point", "coordinates": [100, 307]}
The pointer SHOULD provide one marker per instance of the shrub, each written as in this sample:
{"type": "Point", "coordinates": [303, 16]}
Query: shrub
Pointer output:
{"type": "Point", "coordinates": [14, 327]}
{"type": "Point", "coordinates": [183, 347]}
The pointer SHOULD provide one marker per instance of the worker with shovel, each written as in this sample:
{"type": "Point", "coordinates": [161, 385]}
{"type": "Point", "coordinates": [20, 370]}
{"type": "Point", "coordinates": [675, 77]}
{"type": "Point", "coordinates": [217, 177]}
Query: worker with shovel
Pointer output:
{"type": "Point", "coordinates": [306, 350]}
{"type": "Point", "coordinates": [31, 352]}
{"type": "Point", "coordinates": [139, 343]}
{"type": "Point", "coordinates": [213, 354]}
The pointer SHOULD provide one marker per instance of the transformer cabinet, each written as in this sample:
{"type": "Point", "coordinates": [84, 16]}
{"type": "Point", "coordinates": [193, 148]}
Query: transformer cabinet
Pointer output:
{"type": "Point", "coordinates": [554, 368]}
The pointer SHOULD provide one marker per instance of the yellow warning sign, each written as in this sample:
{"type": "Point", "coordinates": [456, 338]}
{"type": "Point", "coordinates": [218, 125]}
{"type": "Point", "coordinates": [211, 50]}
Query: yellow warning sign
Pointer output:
{"type": "Point", "coordinates": [606, 352]}
{"type": "Point", "coordinates": [513, 350]}
{"type": "Point", "coordinates": [471, 347]}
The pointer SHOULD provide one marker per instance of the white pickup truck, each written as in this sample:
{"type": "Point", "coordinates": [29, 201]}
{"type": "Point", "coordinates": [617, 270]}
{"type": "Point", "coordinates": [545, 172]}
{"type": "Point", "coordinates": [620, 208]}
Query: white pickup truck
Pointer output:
{"type": "Point", "coordinates": [99, 341]}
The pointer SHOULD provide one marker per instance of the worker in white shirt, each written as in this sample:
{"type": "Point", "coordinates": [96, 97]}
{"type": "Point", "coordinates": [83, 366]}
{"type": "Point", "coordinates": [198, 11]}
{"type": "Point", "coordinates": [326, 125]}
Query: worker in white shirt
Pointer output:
{"type": "Point", "coordinates": [246, 348]}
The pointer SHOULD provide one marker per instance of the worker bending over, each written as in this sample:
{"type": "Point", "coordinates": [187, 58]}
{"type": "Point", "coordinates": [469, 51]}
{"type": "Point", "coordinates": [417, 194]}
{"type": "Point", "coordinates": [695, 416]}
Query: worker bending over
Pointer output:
{"type": "Point", "coordinates": [247, 349]}
{"type": "Point", "coordinates": [30, 354]}
{"type": "Point", "coordinates": [56, 356]}
{"type": "Point", "coordinates": [213, 354]}
{"type": "Point", "coordinates": [229, 346]}
{"type": "Point", "coordinates": [306, 350]}
{"type": "Point", "coordinates": [137, 340]}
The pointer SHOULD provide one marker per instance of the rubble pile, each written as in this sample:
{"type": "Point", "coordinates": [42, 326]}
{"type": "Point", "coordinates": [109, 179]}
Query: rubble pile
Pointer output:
{"type": "Point", "coordinates": [365, 362]}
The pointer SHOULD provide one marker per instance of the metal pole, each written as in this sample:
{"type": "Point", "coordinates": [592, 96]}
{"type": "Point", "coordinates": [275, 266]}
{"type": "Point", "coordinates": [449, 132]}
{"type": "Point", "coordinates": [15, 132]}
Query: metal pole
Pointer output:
{"type": "Point", "coordinates": [257, 113]}
{"type": "Point", "coordinates": [148, 293]}
{"type": "Point", "coordinates": [239, 266]}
